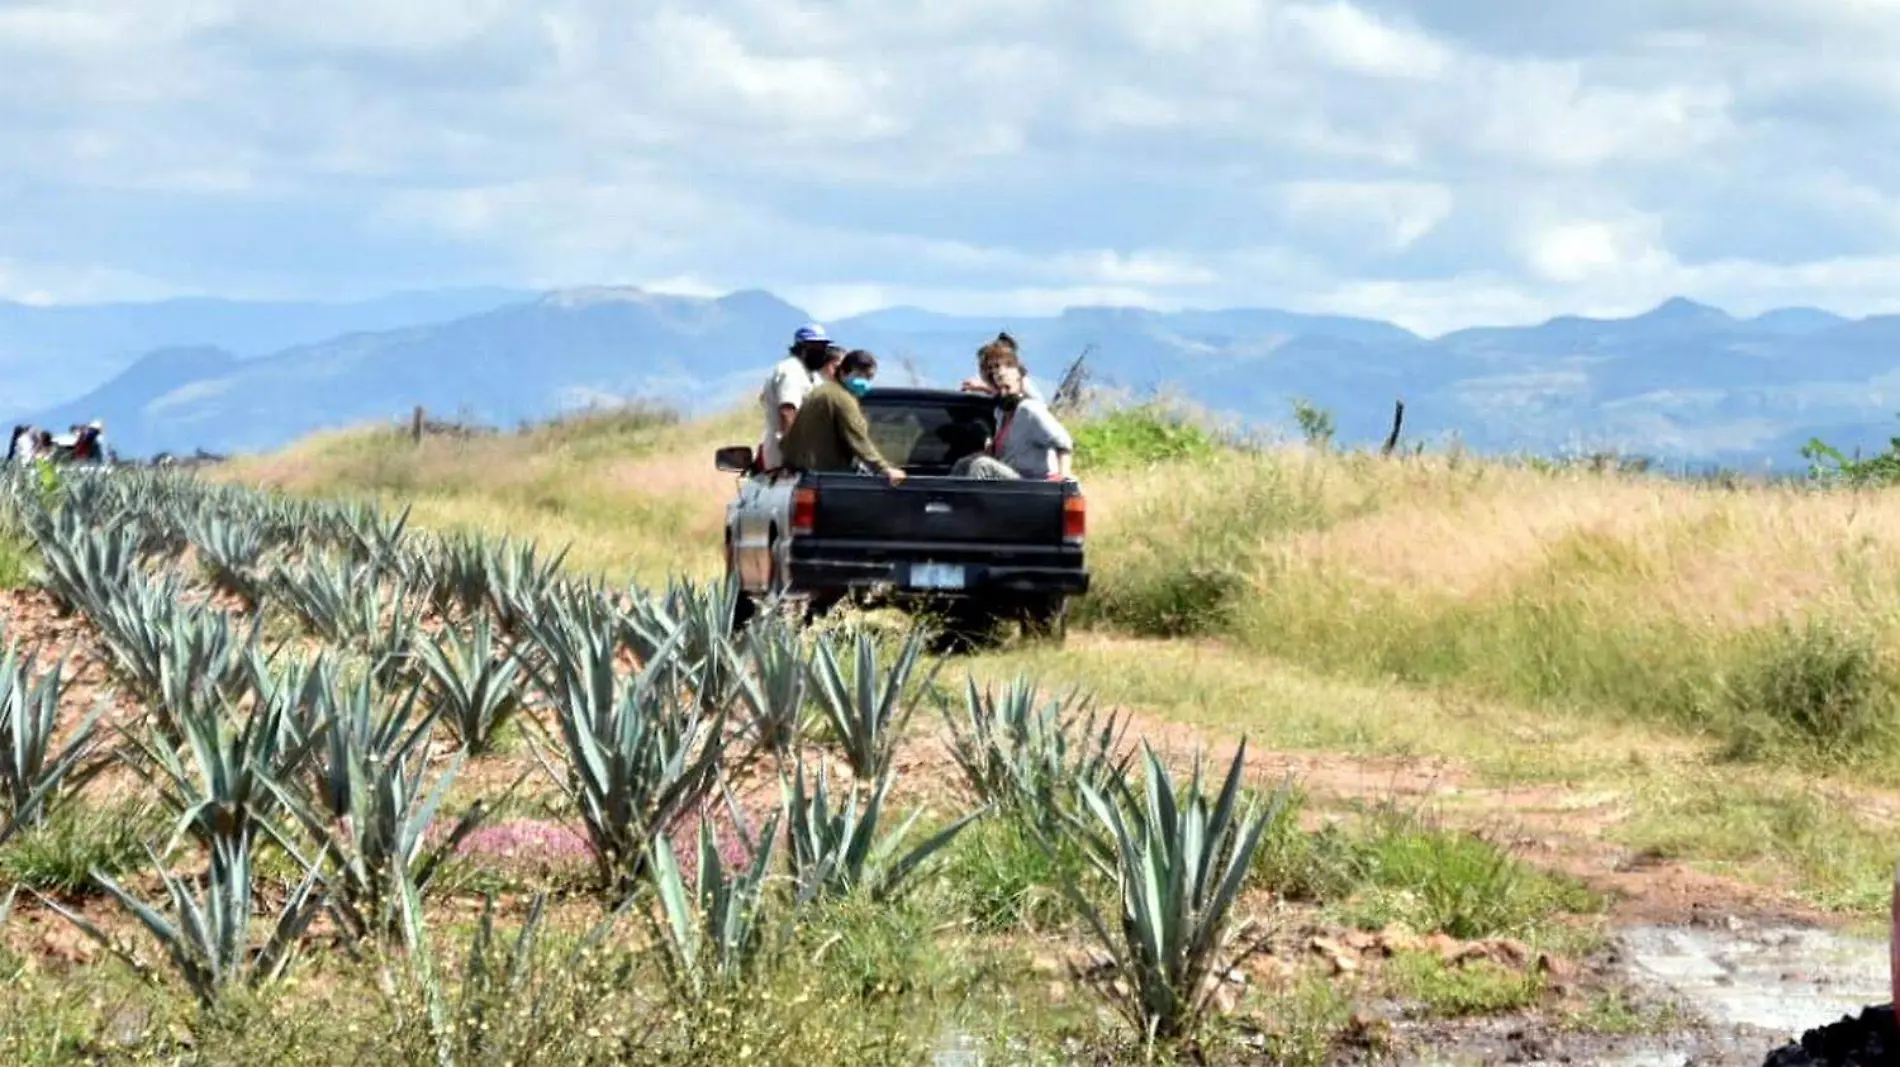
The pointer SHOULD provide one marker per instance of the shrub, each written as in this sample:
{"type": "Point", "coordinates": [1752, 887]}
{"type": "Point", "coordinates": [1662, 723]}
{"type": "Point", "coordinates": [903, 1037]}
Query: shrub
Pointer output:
{"type": "Point", "coordinates": [1140, 436]}
{"type": "Point", "coordinates": [1817, 689]}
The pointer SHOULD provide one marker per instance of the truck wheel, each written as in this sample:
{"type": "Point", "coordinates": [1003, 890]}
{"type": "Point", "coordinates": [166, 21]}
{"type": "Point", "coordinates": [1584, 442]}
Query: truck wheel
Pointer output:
{"type": "Point", "coordinates": [745, 605]}
{"type": "Point", "coordinates": [965, 628]}
{"type": "Point", "coordinates": [1046, 620]}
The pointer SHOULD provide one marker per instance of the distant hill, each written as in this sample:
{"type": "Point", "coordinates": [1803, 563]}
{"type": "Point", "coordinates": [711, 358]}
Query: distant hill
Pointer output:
{"type": "Point", "coordinates": [1682, 382]}
{"type": "Point", "coordinates": [52, 353]}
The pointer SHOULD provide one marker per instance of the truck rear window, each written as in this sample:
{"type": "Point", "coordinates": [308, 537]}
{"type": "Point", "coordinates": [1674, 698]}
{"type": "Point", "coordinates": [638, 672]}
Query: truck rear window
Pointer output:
{"type": "Point", "coordinates": [927, 439]}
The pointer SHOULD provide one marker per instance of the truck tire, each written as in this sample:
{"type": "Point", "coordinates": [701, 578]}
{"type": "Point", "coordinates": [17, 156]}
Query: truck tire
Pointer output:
{"type": "Point", "coordinates": [1046, 619]}
{"type": "Point", "coordinates": [745, 605]}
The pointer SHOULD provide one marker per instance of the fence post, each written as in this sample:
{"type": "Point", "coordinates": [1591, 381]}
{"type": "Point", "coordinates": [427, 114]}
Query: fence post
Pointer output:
{"type": "Point", "coordinates": [415, 425]}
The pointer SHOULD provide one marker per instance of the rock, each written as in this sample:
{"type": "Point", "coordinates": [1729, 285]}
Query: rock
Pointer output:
{"type": "Point", "coordinates": [1269, 971]}
{"type": "Point", "coordinates": [1361, 940]}
{"type": "Point", "coordinates": [1509, 951]}
{"type": "Point", "coordinates": [1444, 946]}
{"type": "Point", "coordinates": [1397, 938]}
{"type": "Point", "coordinates": [1058, 992]}
{"type": "Point", "coordinates": [1557, 969]}
{"type": "Point", "coordinates": [1045, 965]}
{"type": "Point", "coordinates": [1342, 961]}
{"type": "Point", "coordinates": [66, 944]}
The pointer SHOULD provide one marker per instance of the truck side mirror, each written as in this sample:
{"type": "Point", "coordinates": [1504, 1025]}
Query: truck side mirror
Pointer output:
{"type": "Point", "coordinates": [734, 458]}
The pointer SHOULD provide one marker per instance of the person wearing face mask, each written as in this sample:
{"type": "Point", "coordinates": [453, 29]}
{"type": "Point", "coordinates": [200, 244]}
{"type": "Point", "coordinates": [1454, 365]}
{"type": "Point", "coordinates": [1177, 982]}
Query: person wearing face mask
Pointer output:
{"type": "Point", "coordinates": [830, 433]}
{"type": "Point", "coordinates": [1030, 442]}
{"type": "Point", "coordinates": [791, 380]}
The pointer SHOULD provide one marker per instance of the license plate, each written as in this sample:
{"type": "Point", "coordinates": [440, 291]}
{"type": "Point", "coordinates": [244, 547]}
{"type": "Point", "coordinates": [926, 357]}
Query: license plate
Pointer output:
{"type": "Point", "coordinates": [936, 575]}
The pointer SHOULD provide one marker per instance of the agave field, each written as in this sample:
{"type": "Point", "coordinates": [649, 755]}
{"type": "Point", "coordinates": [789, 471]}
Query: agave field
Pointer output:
{"type": "Point", "coordinates": [321, 728]}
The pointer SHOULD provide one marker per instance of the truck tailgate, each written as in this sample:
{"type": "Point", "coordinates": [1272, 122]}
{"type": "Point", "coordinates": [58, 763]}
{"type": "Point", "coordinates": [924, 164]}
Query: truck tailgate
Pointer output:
{"type": "Point", "coordinates": [939, 511]}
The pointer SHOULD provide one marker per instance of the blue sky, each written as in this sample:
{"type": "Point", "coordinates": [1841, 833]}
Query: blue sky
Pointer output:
{"type": "Point", "coordinates": [1436, 163]}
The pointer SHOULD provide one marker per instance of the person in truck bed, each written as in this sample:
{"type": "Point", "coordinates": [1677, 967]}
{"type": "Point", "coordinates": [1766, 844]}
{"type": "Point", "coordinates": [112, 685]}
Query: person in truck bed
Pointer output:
{"type": "Point", "coordinates": [982, 384]}
{"type": "Point", "coordinates": [830, 432]}
{"type": "Point", "coordinates": [1030, 442]}
{"type": "Point", "coordinates": [791, 380]}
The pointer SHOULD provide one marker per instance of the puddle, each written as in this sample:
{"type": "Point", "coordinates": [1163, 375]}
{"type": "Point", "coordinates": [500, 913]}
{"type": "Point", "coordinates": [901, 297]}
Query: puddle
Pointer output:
{"type": "Point", "coordinates": [1785, 980]}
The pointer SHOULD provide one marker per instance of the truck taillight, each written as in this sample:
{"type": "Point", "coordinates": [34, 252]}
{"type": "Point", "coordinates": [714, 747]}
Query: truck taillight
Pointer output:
{"type": "Point", "coordinates": [804, 511]}
{"type": "Point", "coordinates": [1075, 518]}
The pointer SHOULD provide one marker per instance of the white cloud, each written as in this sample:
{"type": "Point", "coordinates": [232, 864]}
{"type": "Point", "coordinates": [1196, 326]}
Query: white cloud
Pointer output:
{"type": "Point", "coordinates": [1388, 215]}
{"type": "Point", "coordinates": [1436, 163]}
{"type": "Point", "coordinates": [1347, 36]}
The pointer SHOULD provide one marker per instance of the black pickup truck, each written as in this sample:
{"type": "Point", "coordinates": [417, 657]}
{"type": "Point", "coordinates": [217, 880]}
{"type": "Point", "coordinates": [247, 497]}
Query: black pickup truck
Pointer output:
{"type": "Point", "coordinates": [976, 551]}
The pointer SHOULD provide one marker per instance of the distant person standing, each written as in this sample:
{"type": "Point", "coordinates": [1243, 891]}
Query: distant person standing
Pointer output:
{"type": "Point", "coordinates": [792, 379]}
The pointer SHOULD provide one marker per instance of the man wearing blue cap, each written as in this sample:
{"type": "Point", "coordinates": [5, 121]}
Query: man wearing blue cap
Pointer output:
{"type": "Point", "coordinates": [791, 380]}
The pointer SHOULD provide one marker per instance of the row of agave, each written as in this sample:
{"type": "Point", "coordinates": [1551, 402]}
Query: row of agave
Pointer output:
{"type": "Point", "coordinates": [324, 755]}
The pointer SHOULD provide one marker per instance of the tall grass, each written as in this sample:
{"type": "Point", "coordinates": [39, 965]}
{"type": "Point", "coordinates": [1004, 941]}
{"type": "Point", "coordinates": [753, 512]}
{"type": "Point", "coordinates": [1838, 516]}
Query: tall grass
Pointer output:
{"type": "Point", "coordinates": [1703, 606]}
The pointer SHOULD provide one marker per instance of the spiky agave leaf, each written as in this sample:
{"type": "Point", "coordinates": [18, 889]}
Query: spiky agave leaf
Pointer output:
{"type": "Point", "coordinates": [220, 772]}
{"type": "Point", "coordinates": [834, 852]}
{"type": "Point", "coordinates": [230, 551]}
{"type": "Point", "coordinates": [773, 685]}
{"type": "Point", "coordinates": [715, 931]}
{"type": "Point", "coordinates": [1179, 864]}
{"type": "Point", "coordinates": [867, 716]}
{"type": "Point", "coordinates": [519, 583]}
{"type": "Point", "coordinates": [1025, 753]}
{"type": "Point", "coordinates": [85, 566]}
{"type": "Point", "coordinates": [209, 940]}
{"type": "Point", "coordinates": [32, 773]}
{"type": "Point", "coordinates": [473, 687]}
{"type": "Point", "coordinates": [365, 799]}
{"type": "Point", "coordinates": [638, 754]}
{"type": "Point", "coordinates": [175, 654]}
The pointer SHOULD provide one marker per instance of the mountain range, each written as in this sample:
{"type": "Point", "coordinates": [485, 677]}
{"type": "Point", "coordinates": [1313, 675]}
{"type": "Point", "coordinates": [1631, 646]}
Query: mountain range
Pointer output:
{"type": "Point", "coordinates": [1683, 382]}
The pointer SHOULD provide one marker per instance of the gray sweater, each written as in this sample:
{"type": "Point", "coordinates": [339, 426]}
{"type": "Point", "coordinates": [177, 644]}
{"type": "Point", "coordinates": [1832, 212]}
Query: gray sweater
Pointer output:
{"type": "Point", "coordinates": [1029, 438]}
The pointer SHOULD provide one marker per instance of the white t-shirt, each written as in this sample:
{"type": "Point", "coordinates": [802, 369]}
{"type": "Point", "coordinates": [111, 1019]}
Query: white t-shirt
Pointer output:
{"type": "Point", "coordinates": [789, 383]}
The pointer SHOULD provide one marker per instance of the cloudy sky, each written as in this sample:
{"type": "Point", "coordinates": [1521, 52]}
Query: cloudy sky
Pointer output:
{"type": "Point", "coordinates": [1436, 162]}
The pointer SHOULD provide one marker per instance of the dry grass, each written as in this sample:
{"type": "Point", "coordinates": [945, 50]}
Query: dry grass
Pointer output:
{"type": "Point", "coordinates": [633, 492]}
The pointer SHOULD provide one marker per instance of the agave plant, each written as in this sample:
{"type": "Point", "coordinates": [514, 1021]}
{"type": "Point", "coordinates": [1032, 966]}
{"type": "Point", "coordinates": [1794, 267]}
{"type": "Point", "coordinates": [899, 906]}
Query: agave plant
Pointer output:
{"type": "Point", "coordinates": [638, 753]}
{"type": "Point", "coordinates": [174, 654]}
{"type": "Point", "coordinates": [85, 567]}
{"type": "Point", "coordinates": [518, 583]}
{"type": "Point", "coordinates": [210, 943]}
{"type": "Point", "coordinates": [1026, 755]}
{"type": "Point", "coordinates": [368, 536]}
{"type": "Point", "coordinates": [1179, 863]}
{"type": "Point", "coordinates": [471, 686]}
{"type": "Point", "coordinates": [834, 852]}
{"type": "Point", "coordinates": [366, 801]}
{"type": "Point", "coordinates": [454, 569]}
{"type": "Point", "coordinates": [230, 552]}
{"type": "Point", "coordinates": [33, 775]}
{"type": "Point", "coordinates": [338, 598]}
{"type": "Point", "coordinates": [708, 662]}
{"type": "Point", "coordinates": [868, 717]}
{"type": "Point", "coordinates": [714, 932]}
{"type": "Point", "coordinates": [774, 686]}
{"type": "Point", "coordinates": [221, 773]}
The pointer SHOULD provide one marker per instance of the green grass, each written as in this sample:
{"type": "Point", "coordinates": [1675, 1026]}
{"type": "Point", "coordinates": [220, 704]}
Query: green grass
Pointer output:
{"type": "Point", "coordinates": [1397, 867]}
{"type": "Point", "coordinates": [1474, 987]}
{"type": "Point", "coordinates": [16, 561]}
{"type": "Point", "coordinates": [59, 856]}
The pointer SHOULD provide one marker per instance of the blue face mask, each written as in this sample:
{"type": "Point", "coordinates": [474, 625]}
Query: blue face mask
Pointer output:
{"type": "Point", "coordinates": [858, 386]}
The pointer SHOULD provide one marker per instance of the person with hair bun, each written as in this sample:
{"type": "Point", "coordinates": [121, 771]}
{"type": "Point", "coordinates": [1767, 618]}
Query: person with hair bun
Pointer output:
{"type": "Point", "coordinates": [982, 384]}
{"type": "Point", "coordinates": [1030, 442]}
